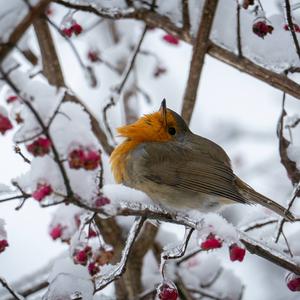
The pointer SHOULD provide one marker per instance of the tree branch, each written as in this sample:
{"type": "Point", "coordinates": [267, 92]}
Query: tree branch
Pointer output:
{"type": "Point", "coordinates": [10, 289]}
{"type": "Point", "coordinates": [22, 27]}
{"type": "Point", "coordinates": [154, 19]}
{"type": "Point", "coordinates": [291, 26]}
{"type": "Point", "coordinates": [199, 50]}
{"type": "Point", "coordinates": [106, 279]}
{"type": "Point", "coordinates": [50, 61]}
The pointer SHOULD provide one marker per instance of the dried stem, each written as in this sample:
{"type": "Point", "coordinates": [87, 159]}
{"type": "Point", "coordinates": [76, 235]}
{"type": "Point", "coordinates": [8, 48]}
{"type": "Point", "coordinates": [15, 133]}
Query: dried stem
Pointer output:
{"type": "Point", "coordinates": [238, 29]}
{"type": "Point", "coordinates": [199, 50]}
{"type": "Point", "coordinates": [10, 289]}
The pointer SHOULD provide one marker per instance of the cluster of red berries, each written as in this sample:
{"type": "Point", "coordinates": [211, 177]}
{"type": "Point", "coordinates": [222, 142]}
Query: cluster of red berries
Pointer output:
{"type": "Point", "coordinates": [101, 201]}
{"type": "Point", "coordinates": [167, 291]}
{"type": "Point", "coordinates": [42, 190]}
{"type": "Point", "coordinates": [93, 261]}
{"type": "Point", "coordinates": [84, 158]}
{"type": "Point", "coordinates": [74, 28]}
{"type": "Point", "coordinates": [261, 28]}
{"type": "Point", "coordinates": [39, 147]}
{"type": "Point", "coordinates": [236, 253]}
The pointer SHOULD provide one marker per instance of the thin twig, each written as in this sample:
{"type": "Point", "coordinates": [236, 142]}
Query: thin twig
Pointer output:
{"type": "Point", "coordinates": [120, 86]}
{"type": "Point", "coordinates": [259, 224]}
{"type": "Point", "coordinates": [291, 26]}
{"type": "Point", "coordinates": [238, 29]}
{"type": "Point", "coordinates": [10, 289]}
{"type": "Point", "coordinates": [290, 204]}
{"type": "Point", "coordinates": [19, 152]}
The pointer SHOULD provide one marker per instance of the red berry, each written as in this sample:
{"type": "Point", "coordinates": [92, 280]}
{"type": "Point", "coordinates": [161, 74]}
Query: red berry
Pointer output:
{"type": "Point", "coordinates": [91, 160]}
{"type": "Point", "coordinates": [211, 242]}
{"type": "Point", "coordinates": [11, 99]}
{"type": "Point", "coordinates": [5, 124]}
{"type": "Point", "coordinates": [293, 282]}
{"type": "Point", "coordinates": [167, 291]}
{"type": "Point", "coordinates": [93, 56]}
{"type": "Point", "coordinates": [39, 147]}
{"type": "Point", "coordinates": [101, 201]}
{"type": "Point", "coordinates": [76, 28]}
{"type": "Point", "coordinates": [261, 28]}
{"type": "Point", "coordinates": [42, 191]}
{"type": "Point", "coordinates": [93, 268]}
{"type": "Point", "coordinates": [236, 253]}
{"type": "Point", "coordinates": [92, 233]}
{"type": "Point", "coordinates": [76, 159]}
{"type": "Point", "coordinates": [171, 39]}
{"type": "Point", "coordinates": [67, 32]}
{"type": "Point", "coordinates": [81, 257]}
{"type": "Point", "coordinates": [3, 245]}
{"type": "Point", "coordinates": [56, 232]}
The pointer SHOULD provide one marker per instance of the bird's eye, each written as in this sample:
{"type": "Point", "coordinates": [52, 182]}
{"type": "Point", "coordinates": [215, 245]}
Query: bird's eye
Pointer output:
{"type": "Point", "coordinates": [171, 130]}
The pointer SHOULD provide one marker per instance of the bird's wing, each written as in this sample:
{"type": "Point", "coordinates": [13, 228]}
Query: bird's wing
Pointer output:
{"type": "Point", "coordinates": [185, 169]}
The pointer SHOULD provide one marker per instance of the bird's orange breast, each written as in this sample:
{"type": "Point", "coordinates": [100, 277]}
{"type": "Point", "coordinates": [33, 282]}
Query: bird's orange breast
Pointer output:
{"type": "Point", "coordinates": [118, 159]}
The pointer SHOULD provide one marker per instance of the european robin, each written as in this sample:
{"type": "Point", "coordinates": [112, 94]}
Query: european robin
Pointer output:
{"type": "Point", "coordinates": [179, 169]}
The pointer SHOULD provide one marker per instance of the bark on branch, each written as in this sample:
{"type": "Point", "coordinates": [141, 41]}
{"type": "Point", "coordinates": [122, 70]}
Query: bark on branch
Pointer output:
{"type": "Point", "coordinates": [21, 28]}
{"type": "Point", "coordinates": [199, 50]}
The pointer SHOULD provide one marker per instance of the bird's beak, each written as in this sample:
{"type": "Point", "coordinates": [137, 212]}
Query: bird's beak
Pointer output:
{"type": "Point", "coordinates": [163, 110]}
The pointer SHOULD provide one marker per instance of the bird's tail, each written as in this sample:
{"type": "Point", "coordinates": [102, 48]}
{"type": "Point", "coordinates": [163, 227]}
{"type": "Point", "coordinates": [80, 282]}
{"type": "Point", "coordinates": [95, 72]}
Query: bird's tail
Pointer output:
{"type": "Point", "coordinates": [252, 196]}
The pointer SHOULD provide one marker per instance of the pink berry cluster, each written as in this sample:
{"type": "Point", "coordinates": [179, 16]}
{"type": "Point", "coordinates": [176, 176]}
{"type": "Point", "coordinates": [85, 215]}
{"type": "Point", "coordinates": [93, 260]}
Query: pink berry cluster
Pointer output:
{"type": "Point", "coordinates": [261, 28]}
{"type": "Point", "coordinates": [39, 147]}
{"type": "Point", "coordinates": [167, 291]}
{"type": "Point", "coordinates": [42, 190]}
{"type": "Point", "coordinates": [84, 158]}
{"type": "Point", "coordinates": [92, 259]}
{"type": "Point", "coordinates": [236, 253]}
{"type": "Point", "coordinates": [101, 201]}
{"type": "Point", "coordinates": [74, 28]}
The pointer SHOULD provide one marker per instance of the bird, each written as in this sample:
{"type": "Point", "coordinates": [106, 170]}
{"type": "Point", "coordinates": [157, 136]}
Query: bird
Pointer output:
{"type": "Point", "coordinates": [178, 169]}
